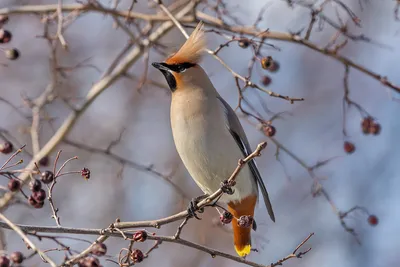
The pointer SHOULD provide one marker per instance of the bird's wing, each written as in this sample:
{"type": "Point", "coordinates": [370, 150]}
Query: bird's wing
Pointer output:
{"type": "Point", "coordinates": [236, 129]}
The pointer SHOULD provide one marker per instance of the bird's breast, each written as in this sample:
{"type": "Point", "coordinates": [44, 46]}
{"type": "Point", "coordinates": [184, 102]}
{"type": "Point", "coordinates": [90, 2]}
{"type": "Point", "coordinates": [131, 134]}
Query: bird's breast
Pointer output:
{"type": "Point", "coordinates": [206, 146]}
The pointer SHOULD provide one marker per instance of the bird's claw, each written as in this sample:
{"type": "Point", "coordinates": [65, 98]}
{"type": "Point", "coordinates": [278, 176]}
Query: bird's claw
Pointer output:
{"type": "Point", "coordinates": [226, 187]}
{"type": "Point", "coordinates": [192, 208]}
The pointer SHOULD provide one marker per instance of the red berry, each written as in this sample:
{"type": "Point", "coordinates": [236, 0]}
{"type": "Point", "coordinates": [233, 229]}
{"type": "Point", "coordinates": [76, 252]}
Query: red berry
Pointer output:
{"type": "Point", "coordinates": [266, 80]}
{"type": "Point", "coordinates": [39, 195]}
{"type": "Point", "coordinates": [89, 262]}
{"type": "Point", "coordinates": [269, 130]}
{"type": "Point", "coordinates": [85, 172]}
{"type": "Point", "coordinates": [99, 249]}
{"type": "Point", "coordinates": [137, 255]}
{"type": "Point", "coordinates": [6, 147]}
{"type": "Point", "coordinates": [349, 147]}
{"type": "Point", "coordinates": [35, 185]}
{"type": "Point", "coordinates": [375, 128]}
{"type": "Point", "coordinates": [17, 257]}
{"type": "Point", "coordinates": [373, 220]}
{"type": "Point", "coordinates": [4, 261]}
{"type": "Point", "coordinates": [34, 203]}
{"type": "Point", "coordinates": [226, 217]}
{"type": "Point", "coordinates": [44, 161]}
{"type": "Point", "coordinates": [5, 36]}
{"type": "Point", "coordinates": [245, 221]}
{"type": "Point", "coordinates": [14, 185]}
{"type": "Point", "coordinates": [140, 236]}
{"type": "Point", "coordinates": [47, 177]}
{"type": "Point", "coordinates": [365, 124]}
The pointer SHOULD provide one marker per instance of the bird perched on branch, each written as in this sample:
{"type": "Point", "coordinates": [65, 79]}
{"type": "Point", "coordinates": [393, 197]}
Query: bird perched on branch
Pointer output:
{"type": "Point", "coordinates": [209, 137]}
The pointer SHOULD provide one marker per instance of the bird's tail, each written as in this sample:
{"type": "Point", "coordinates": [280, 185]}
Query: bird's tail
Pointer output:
{"type": "Point", "coordinates": [241, 235]}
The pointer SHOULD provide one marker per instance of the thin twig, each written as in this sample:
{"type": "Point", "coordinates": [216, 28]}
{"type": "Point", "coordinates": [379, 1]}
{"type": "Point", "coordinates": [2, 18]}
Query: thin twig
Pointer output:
{"type": "Point", "coordinates": [27, 240]}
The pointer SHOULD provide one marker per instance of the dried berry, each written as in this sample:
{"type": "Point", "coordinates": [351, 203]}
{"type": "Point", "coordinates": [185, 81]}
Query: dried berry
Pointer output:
{"type": "Point", "coordinates": [99, 249]}
{"type": "Point", "coordinates": [5, 36]}
{"type": "Point", "coordinates": [39, 195]}
{"type": "Point", "coordinates": [14, 185]}
{"type": "Point", "coordinates": [268, 63]}
{"type": "Point", "coordinates": [140, 236]}
{"type": "Point", "coordinates": [85, 172]}
{"type": "Point", "coordinates": [274, 67]}
{"type": "Point", "coordinates": [244, 43]}
{"type": "Point", "coordinates": [11, 54]}
{"type": "Point", "coordinates": [17, 257]}
{"type": "Point", "coordinates": [35, 185]}
{"type": "Point", "coordinates": [137, 256]}
{"type": "Point", "coordinates": [47, 177]}
{"type": "Point", "coordinates": [366, 124]}
{"type": "Point", "coordinates": [373, 220]}
{"type": "Point", "coordinates": [226, 217]}
{"type": "Point", "coordinates": [6, 147]}
{"type": "Point", "coordinates": [4, 261]}
{"type": "Point", "coordinates": [3, 19]}
{"type": "Point", "coordinates": [269, 130]}
{"type": "Point", "coordinates": [34, 203]}
{"type": "Point", "coordinates": [39, 205]}
{"type": "Point", "coordinates": [266, 80]}
{"type": "Point", "coordinates": [375, 128]}
{"type": "Point", "coordinates": [349, 147]}
{"type": "Point", "coordinates": [44, 161]}
{"type": "Point", "coordinates": [245, 221]}
{"type": "Point", "coordinates": [89, 262]}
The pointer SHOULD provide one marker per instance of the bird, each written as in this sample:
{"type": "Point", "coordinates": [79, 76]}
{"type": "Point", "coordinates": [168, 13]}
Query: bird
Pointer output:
{"type": "Point", "coordinates": [209, 137]}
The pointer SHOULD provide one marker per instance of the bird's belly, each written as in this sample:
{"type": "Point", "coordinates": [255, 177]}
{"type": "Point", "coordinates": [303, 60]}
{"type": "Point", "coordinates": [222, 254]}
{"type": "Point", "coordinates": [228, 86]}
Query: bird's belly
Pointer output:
{"type": "Point", "coordinates": [211, 155]}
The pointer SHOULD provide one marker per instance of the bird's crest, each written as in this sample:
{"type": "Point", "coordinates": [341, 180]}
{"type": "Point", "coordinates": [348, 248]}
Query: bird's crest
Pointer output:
{"type": "Point", "coordinates": [192, 49]}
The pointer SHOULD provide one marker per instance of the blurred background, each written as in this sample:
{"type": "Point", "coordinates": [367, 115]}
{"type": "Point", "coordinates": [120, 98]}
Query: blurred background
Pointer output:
{"type": "Point", "coordinates": [311, 129]}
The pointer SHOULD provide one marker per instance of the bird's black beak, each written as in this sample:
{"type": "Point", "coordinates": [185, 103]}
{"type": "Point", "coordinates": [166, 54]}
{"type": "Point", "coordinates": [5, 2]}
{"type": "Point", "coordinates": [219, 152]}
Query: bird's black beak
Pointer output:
{"type": "Point", "coordinates": [160, 66]}
{"type": "Point", "coordinates": [166, 71]}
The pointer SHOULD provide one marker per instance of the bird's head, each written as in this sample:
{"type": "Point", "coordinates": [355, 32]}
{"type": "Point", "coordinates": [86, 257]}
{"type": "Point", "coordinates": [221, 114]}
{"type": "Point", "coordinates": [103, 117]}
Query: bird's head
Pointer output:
{"type": "Point", "coordinates": [181, 69]}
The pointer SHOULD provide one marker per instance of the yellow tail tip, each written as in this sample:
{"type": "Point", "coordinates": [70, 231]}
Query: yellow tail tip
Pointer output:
{"type": "Point", "coordinates": [243, 251]}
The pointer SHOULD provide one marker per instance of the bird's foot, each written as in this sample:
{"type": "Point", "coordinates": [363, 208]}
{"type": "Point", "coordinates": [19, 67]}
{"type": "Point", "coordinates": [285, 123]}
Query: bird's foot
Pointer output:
{"type": "Point", "coordinates": [192, 208]}
{"type": "Point", "coordinates": [226, 187]}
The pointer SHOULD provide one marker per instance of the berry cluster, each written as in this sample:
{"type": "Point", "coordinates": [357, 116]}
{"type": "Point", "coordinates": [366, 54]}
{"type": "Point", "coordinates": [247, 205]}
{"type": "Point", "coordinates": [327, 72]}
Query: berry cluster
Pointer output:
{"type": "Point", "coordinates": [369, 126]}
{"type": "Point", "coordinates": [267, 63]}
{"type": "Point", "coordinates": [15, 258]}
{"type": "Point", "coordinates": [38, 195]}
{"type": "Point", "coordinates": [5, 37]}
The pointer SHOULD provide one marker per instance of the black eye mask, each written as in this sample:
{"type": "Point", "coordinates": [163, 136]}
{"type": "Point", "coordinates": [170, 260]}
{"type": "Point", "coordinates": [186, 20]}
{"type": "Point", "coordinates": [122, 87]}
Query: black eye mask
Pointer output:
{"type": "Point", "coordinates": [173, 67]}
{"type": "Point", "coordinates": [166, 70]}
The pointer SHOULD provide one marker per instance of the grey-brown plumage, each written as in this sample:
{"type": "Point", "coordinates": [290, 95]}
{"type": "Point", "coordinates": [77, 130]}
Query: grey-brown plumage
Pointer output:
{"type": "Point", "coordinates": [236, 129]}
